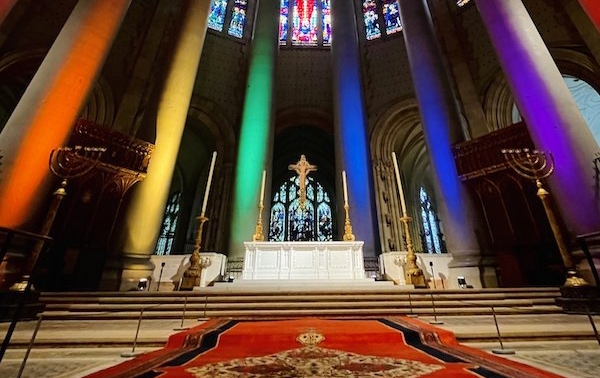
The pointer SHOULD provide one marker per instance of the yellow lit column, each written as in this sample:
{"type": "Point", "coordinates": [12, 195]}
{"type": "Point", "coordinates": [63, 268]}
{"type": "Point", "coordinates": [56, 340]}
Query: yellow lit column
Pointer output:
{"type": "Point", "coordinates": [44, 117]}
{"type": "Point", "coordinates": [142, 224]}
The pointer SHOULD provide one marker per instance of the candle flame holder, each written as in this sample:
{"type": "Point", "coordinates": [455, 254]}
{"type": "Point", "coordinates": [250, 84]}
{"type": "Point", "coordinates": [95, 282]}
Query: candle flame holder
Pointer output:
{"type": "Point", "coordinates": [66, 163]}
{"type": "Point", "coordinates": [537, 165]}
{"type": "Point", "coordinates": [348, 235]}
{"type": "Point", "coordinates": [191, 276]}
{"type": "Point", "coordinates": [258, 233]}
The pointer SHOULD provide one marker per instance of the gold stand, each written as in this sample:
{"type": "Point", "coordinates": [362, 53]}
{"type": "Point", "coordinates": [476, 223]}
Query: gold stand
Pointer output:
{"type": "Point", "coordinates": [534, 165]}
{"type": "Point", "coordinates": [258, 234]}
{"type": "Point", "coordinates": [65, 163]}
{"type": "Point", "coordinates": [414, 274]}
{"type": "Point", "coordinates": [191, 277]}
{"type": "Point", "coordinates": [348, 235]}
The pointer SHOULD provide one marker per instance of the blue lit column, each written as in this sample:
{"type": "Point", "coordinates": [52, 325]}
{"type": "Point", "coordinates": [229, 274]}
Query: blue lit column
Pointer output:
{"type": "Point", "coordinates": [441, 129]}
{"type": "Point", "coordinates": [351, 150]}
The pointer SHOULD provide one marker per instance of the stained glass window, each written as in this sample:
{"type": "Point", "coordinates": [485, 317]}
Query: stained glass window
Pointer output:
{"type": "Point", "coordinates": [381, 15]}
{"type": "Point", "coordinates": [305, 22]}
{"type": "Point", "coordinates": [432, 236]}
{"type": "Point", "coordinates": [371, 18]}
{"type": "Point", "coordinates": [391, 15]}
{"type": "Point", "coordinates": [289, 221]}
{"type": "Point", "coordinates": [230, 12]}
{"type": "Point", "coordinates": [164, 244]}
{"type": "Point", "coordinates": [216, 17]}
{"type": "Point", "coordinates": [238, 18]}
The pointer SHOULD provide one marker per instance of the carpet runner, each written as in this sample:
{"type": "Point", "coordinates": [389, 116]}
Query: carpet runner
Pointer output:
{"type": "Point", "coordinates": [316, 347]}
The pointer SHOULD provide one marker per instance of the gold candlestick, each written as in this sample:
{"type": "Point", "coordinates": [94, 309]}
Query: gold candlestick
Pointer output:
{"type": "Point", "coordinates": [191, 277]}
{"type": "Point", "coordinates": [535, 165]}
{"type": "Point", "coordinates": [258, 234]}
{"type": "Point", "coordinates": [348, 235]}
{"type": "Point", "coordinates": [414, 274]}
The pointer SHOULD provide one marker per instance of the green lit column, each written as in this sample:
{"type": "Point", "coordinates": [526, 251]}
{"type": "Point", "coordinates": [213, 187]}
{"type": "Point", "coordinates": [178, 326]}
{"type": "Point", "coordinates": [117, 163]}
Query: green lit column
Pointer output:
{"type": "Point", "coordinates": [142, 224]}
{"type": "Point", "coordinates": [256, 137]}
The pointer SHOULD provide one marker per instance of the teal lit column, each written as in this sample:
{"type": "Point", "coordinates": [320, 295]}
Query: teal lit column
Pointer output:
{"type": "Point", "coordinates": [256, 133]}
{"type": "Point", "coordinates": [351, 149]}
{"type": "Point", "coordinates": [441, 129]}
{"type": "Point", "coordinates": [549, 111]}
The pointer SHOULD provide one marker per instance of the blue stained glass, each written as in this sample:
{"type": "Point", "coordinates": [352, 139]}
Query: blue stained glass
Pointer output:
{"type": "Point", "coordinates": [371, 18]}
{"type": "Point", "coordinates": [238, 18]}
{"type": "Point", "coordinates": [431, 231]}
{"type": "Point", "coordinates": [305, 21]}
{"type": "Point", "coordinates": [325, 219]}
{"type": "Point", "coordinates": [164, 243]}
{"type": "Point", "coordinates": [326, 20]}
{"type": "Point", "coordinates": [391, 14]}
{"type": "Point", "coordinates": [216, 17]}
{"type": "Point", "coordinates": [277, 224]}
{"type": "Point", "coordinates": [301, 221]}
{"type": "Point", "coordinates": [284, 10]}
{"type": "Point", "coordinates": [290, 222]}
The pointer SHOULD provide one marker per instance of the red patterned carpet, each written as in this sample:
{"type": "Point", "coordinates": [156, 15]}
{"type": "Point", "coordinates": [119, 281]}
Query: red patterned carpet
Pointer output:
{"type": "Point", "coordinates": [315, 347]}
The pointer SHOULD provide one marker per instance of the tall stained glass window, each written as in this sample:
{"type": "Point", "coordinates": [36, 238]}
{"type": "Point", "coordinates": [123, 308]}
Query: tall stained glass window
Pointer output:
{"type": "Point", "coordinates": [232, 13]}
{"type": "Point", "coordinates": [432, 236]}
{"type": "Point", "coordinates": [289, 221]}
{"type": "Point", "coordinates": [305, 22]}
{"type": "Point", "coordinates": [381, 15]}
{"type": "Point", "coordinates": [164, 244]}
{"type": "Point", "coordinates": [238, 18]}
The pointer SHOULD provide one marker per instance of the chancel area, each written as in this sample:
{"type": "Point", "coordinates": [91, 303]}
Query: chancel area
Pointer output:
{"type": "Point", "coordinates": [414, 145]}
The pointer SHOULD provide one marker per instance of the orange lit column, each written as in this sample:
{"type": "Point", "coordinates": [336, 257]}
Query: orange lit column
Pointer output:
{"type": "Point", "coordinates": [142, 224]}
{"type": "Point", "coordinates": [5, 8]}
{"type": "Point", "coordinates": [44, 117]}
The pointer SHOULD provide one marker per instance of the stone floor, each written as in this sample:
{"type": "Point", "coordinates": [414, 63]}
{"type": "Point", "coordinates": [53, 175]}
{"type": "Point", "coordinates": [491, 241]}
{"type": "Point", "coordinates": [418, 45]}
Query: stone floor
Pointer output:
{"type": "Point", "coordinates": [65, 349]}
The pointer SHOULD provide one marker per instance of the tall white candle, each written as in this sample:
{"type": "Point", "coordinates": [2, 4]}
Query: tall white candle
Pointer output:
{"type": "Point", "coordinates": [345, 185]}
{"type": "Point", "coordinates": [207, 191]}
{"type": "Point", "coordinates": [262, 188]}
{"type": "Point", "coordinates": [399, 182]}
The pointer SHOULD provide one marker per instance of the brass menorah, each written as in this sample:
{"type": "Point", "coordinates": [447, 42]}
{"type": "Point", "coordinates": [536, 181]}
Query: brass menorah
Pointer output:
{"type": "Point", "coordinates": [537, 165]}
{"type": "Point", "coordinates": [65, 163]}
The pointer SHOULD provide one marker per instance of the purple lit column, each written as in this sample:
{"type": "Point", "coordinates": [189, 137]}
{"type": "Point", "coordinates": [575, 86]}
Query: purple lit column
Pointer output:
{"type": "Point", "coordinates": [551, 114]}
{"type": "Point", "coordinates": [352, 152]}
{"type": "Point", "coordinates": [441, 129]}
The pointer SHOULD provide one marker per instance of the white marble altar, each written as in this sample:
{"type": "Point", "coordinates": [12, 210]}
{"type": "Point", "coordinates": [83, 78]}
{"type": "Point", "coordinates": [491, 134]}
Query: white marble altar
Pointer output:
{"type": "Point", "coordinates": [175, 265]}
{"type": "Point", "coordinates": [334, 260]}
{"type": "Point", "coordinates": [392, 266]}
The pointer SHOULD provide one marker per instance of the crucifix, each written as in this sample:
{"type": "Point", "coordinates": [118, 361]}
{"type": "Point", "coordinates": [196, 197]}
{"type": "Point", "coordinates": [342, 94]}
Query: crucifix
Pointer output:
{"type": "Point", "coordinates": [302, 167]}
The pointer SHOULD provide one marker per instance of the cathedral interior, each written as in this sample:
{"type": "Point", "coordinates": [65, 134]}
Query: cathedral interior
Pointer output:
{"type": "Point", "coordinates": [117, 116]}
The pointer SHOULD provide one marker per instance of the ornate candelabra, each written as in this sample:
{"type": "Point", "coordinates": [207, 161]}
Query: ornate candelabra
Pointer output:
{"type": "Point", "coordinates": [414, 275]}
{"type": "Point", "coordinates": [65, 163]}
{"type": "Point", "coordinates": [537, 165]}
{"type": "Point", "coordinates": [192, 275]}
{"type": "Point", "coordinates": [258, 233]}
{"type": "Point", "coordinates": [348, 235]}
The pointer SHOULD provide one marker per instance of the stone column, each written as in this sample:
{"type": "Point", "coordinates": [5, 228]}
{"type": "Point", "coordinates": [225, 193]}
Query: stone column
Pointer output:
{"type": "Point", "coordinates": [142, 224]}
{"type": "Point", "coordinates": [256, 135]}
{"type": "Point", "coordinates": [351, 141]}
{"type": "Point", "coordinates": [550, 113]}
{"type": "Point", "coordinates": [46, 113]}
{"type": "Point", "coordinates": [441, 129]}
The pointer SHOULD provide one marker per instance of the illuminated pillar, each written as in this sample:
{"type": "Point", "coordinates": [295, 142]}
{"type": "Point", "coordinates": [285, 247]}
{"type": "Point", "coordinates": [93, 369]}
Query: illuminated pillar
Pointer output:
{"type": "Point", "coordinates": [549, 111]}
{"type": "Point", "coordinates": [352, 151]}
{"type": "Point", "coordinates": [256, 133]}
{"type": "Point", "coordinates": [45, 115]}
{"type": "Point", "coordinates": [592, 8]}
{"type": "Point", "coordinates": [441, 129]}
{"type": "Point", "coordinates": [5, 8]}
{"type": "Point", "coordinates": [144, 216]}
